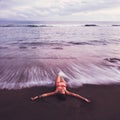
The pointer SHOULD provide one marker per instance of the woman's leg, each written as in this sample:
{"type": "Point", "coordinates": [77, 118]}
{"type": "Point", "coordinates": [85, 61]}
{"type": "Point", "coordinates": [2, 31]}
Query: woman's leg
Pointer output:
{"type": "Point", "coordinates": [62, 79]}
{"type": "Point", "coordinates": [57, 79]}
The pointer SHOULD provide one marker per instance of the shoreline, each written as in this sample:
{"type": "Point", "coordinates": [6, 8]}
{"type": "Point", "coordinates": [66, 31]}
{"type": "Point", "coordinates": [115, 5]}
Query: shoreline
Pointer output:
{"type": "Point", "coordinates": [16, 104]}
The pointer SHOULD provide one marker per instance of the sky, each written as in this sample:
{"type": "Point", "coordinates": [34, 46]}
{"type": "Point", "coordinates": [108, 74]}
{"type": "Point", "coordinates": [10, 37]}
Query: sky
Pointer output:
{"type": "Point", "coordinates": [60, 10]}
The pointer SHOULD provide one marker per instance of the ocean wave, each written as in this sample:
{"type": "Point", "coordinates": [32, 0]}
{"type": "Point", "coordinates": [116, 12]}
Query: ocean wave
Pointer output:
{"type": "Point", "coordinates": [113, 60]}
{"type": "Point", "coordinates": [95, 42]}
{"type": "Point", "coordinates": [3, 47]}
{"type": "Point", "coordinates": [58, 48]}
{"type": "Point", "coordinates": [79, 43]}
{"type": "Point", "coordinates": [38, 43]}
{"type": "Point", "coordinates": [60, 45]}
{"type": "Point", "coordinates": [54, 45]}
{"type": "Point", "coordinates": [92, 42]}
{"type": "Point", "coordinates": [23, 47]}
{"type": "Point", "coordinates": [21, 25]}
{"type": "Point", "coordinates": [24, 73]}
{"type": "Point", "coordinates": [59, 25]}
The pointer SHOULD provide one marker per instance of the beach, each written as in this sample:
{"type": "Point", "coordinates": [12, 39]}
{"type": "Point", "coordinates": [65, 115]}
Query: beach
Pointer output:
{"type": "Point", "coordinates": [16, 104]}
{"type": "Point", "coordinates": [33, 53]}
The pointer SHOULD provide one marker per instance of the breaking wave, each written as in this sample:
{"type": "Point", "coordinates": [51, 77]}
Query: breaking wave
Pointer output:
{"type": "Point", "coordinates": [60, 44]}
{"type": "Point", "coordinates": [22, 25]}
{"type": "Point", "coordinates": [56, 25]}
{"type": "Point", "coordinates": [95, 42]}
{"type": "Point", "coordinates": [42, 72]}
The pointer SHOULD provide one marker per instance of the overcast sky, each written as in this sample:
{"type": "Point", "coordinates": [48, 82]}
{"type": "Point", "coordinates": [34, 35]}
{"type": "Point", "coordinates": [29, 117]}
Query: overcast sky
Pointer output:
{"type": "Point", "coordinates": [74, 10]}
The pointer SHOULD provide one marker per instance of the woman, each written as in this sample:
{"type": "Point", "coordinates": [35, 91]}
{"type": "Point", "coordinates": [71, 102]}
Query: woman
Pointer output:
{"type": "Point", "coordinates": [60, 89]}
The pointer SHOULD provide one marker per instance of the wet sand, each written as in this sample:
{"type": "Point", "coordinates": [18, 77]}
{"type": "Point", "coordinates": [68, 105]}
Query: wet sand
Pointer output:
{"type": "Point", "coordinates": [16, 104]}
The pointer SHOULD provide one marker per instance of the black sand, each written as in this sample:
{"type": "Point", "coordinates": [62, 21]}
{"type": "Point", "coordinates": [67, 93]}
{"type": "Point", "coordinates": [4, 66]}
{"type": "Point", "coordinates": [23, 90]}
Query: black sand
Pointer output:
{"type": "Point", "coordinates": [16, 104]}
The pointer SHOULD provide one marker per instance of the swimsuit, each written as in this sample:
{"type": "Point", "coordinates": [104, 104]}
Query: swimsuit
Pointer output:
{"type": "Point", "coordinates": [61, 84]}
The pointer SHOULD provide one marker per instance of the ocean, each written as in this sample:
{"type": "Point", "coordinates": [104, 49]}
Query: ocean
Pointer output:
{"type": "Point", "coordinates": [32, 53]}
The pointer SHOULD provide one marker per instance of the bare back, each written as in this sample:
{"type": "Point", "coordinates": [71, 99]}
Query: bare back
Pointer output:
{"type": "Point", "coordinates": [60, 84]}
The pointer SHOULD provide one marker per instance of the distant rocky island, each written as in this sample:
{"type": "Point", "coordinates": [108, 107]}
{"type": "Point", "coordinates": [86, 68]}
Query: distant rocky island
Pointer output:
{"type": "Point", "coordinates": [115, 25]}
{"type": "Point", "coordinates": [89, 25]}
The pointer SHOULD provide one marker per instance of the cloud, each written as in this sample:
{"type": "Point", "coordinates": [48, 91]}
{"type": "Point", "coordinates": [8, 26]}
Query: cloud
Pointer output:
{"type": "Point", "coordinates": [87, 6]}
{"type": "Point", "coordinates": [53, 9]}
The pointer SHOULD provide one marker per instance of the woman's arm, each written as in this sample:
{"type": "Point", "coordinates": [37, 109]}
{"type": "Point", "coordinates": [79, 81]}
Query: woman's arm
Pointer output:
{"type": "Point", "coordinates": [43, 95]}
{"type": "Point", "coordinates": [77, 96]}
